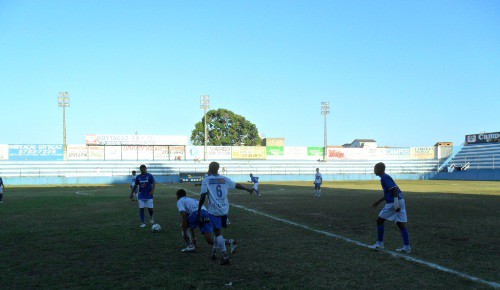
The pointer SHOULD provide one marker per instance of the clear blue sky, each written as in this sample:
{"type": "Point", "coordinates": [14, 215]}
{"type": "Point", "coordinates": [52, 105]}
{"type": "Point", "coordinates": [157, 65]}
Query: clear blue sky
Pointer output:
{"type": "Point", "coordinates": [406, 73]}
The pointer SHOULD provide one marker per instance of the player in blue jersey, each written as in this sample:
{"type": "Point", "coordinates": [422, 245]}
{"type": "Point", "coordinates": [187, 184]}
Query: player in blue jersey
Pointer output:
{"type": "Point", "coordinates": [1, 190]}
{"type": "Point", "coordinates": [188, 209]}
{"type": "Point", "coordinates": [255, 181]}
{"type": "Point", "coordinates": [216, 187]}
{"type": "Point", "coordinates": [132, 184]}
{"type": "Point", "coordinates": [146, 184]}
{"type": "Point", "coordinates": [318, 181]}
{"type": "Point", "coordinates": [394, 210]}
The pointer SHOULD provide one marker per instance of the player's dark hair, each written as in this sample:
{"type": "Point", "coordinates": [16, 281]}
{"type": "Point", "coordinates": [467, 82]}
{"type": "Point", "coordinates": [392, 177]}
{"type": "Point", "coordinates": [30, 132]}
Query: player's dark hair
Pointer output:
{"type": "Point", "coordinates": [213, 167]}
{"type": "Point", "coordinates": [380, 166]}
{"type": "Point", "coordinates": [181, 192]}
{"type": "Point", "coordinates": [142, 166]}
{"type": "Point", "coordinates": [133, 171]}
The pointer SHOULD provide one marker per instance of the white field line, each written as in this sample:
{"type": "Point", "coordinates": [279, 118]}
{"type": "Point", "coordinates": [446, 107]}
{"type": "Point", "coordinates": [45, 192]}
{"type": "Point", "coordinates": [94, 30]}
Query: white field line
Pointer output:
{"type": "Point", "coordinates": [393, 254]}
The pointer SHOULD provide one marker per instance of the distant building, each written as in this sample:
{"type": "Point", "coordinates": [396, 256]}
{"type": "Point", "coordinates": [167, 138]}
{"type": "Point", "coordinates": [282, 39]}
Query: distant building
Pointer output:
{"type": "Point", "coordinates": [364, 143]}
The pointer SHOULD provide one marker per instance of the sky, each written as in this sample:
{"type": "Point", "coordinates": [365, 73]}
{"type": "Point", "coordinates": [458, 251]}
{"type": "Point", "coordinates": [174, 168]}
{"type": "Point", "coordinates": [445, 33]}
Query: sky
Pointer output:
{"type": "Point", "coordinates": [405, 73]}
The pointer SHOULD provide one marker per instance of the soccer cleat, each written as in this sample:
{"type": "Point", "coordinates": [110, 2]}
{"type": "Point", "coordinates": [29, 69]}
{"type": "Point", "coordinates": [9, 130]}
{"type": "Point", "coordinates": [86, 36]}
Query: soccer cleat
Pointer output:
{"type": "Point", "coordinates": [189, 249]}
{"type": "Point", "coordinates": [232, 246]}
{"type": "Point", "coordinates": [225, 262]}
{"type": "Point", "coordinates": [377, 246]}
{"type": "Point", "coordinates": [152, 220]}
{"type": "Point", "coordinates": [404, 249]}
{"type": "Point", "coordinates": [143, 225]}
{"type": "Point", "coordinates": [213, 257]}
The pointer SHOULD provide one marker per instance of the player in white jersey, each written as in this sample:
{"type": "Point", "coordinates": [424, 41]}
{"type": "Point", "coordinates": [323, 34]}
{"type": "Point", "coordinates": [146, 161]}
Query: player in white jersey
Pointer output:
{"type": "Point", "coordinates": [188, 208]}
{"type": "Point", "coordinates": [216, 187]}
{"type": "Point", "coordinates": [132, 184]}
{"type": "Point", "coordinates": [318, 181]}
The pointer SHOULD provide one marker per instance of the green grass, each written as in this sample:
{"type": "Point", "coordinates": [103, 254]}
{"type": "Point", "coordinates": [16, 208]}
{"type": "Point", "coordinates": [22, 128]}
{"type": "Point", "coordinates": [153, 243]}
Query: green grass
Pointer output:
{"type": "Point", "coordinates": [50, 237]}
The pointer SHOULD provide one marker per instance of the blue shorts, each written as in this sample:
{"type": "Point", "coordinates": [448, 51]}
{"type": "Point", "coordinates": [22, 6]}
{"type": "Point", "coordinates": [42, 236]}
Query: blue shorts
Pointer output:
{"type": "Point", "coordinates": [317, 186]}
{"type": "Point", "coordinates": [219, 222]}
{"type": "Point", "coordinates": [205, 226]}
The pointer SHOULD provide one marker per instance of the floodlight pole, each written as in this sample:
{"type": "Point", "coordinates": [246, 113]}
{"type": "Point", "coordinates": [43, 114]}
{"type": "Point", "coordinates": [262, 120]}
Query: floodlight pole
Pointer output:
{"type": "Point", "coordinates": [63, 102]}
{"type": "Point", "coordinates": [325, 110]}
{"type": "Point", "coordinates": [205, 105]}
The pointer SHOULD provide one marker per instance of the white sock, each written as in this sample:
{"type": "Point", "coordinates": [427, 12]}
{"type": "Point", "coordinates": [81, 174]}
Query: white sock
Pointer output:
{"type": "Point", "coordinates": [215, 246]}
{"type": "Point", "coordinates": [222, 246]}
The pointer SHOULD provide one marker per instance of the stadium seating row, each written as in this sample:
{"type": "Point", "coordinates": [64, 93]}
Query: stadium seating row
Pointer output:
{"type": "Point", "coordinates": [230, 167]}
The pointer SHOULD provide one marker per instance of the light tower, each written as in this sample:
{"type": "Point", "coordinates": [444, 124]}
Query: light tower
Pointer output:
{"type": "Point", "coordinates": [205, 105]}
{"type": "Point", "coordinates": [63, 101]}
{"type": "Point", "coordinates": [325, 111]}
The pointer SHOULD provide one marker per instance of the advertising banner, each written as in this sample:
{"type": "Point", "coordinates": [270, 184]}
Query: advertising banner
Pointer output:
{"type": "Point", "coordinates": [129, 153]}
{"type": "Point", "coordinates": [77, 152]}
{"type": "Point", "coordinates": [275, 152]}
{"type": "Point", "coordinates": [176, 152]}
{"type": "Point", "coordinates": [96, 152]}
{"type": "Point", "coordinates": [36, 152]}
{"type": "Point", "coordinates": [112, 152]}
{"type": "Point", "coordinates": [219, 153]}
{"type": "Point", "coordinates": [482, 138]}
{"type": "Point", "coordinates": [400, 152]}
{"type": "Point", "coordinates": [249, 152]}
{"type": "Point", "coordinates": [97, 139]}
{"type": "Point", "coordinates": [145, 152]}
{"type": "Point", "coordinates": [295, 153]}
{"type": "Point", "coordinates": [316, 152]}
{"type": "Point", "coordinates": [160, 153]}
{"type": "Point", "coordinates": [422, 153]}
{"type": "Point", "coordinates": [4, 152]}
{"type": "Point", "coordinates": [194, 152]}
{"type": "Point", "coordinates": [357, 153]}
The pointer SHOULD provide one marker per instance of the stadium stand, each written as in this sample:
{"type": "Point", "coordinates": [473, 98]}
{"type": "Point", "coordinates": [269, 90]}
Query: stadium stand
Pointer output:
{"type": "Point", "coordinates": [472, 162]}
{"type": "Point", "coordinates": [94, 172]}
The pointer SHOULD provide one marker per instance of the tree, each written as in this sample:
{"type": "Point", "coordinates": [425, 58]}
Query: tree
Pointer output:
{"type": "Point", "coordinates": [226, 128]}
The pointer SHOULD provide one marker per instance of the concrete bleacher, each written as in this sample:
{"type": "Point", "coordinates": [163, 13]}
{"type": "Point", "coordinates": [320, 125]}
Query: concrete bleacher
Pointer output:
{"type": "Point", "coordinates": [484, 156]}
{"type": "Point", "coordinates": [97, 172]}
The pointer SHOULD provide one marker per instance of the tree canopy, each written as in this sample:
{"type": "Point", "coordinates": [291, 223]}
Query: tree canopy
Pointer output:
{"type": "Point", "coordinates": [226, 128]}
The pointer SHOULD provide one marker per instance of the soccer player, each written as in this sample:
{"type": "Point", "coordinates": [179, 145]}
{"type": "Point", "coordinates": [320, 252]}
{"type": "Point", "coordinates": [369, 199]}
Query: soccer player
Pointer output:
{"type": "Point", "coordinates": [1, 190]}
{"type": "Point", "coordinates": [216, 187]}
{"type": "Point", "coordinates": [394, 210]}
{"type": "Point", "coordinates": [318, 180]}
{"type": "Point", "coordinates": [132, 184]}
{"type": "Point", "coordinates": [255, 181]}
{"type": "Point", "coordinates": [146, 184]}
{"type": "Point", "coordinates": [188, 208]}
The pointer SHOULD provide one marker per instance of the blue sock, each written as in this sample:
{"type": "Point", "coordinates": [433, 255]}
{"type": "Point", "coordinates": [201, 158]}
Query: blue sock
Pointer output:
{"type": "Point", "coordinates": [142, 215]}
{"type": "Point", "coordinates": [380, 229]}
{"type": "Point", "coordinates": [406, 236]}
{"type": "Point", "coordinates": [1, 195]}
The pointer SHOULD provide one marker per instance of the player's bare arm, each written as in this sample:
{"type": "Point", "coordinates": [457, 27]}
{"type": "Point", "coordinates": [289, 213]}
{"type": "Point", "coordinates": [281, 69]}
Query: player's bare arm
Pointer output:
{"type": "Point", "coordinates": [375, 204]}
{"type": "Point", "coordinates": [200, 204]}
{"type": "Point", "coordinates": [132, 192]}
{"type": "Point", "coordinates": [153, 186]}
{"type": "Point", "coordinates": [184, 223]}
{"type": "Point", "coordinates": [241, 187]}
{"type": "Point", "coordinates": [395, 193]}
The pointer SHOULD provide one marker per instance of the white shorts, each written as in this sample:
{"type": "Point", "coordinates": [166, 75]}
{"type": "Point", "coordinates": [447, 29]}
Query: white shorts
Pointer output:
{"type": "Point", "coordinates": [256, 186]}
{"type": "Point", "coordinates": [145, 203]}
{"type": "Point", "coordinates": [389, 213]}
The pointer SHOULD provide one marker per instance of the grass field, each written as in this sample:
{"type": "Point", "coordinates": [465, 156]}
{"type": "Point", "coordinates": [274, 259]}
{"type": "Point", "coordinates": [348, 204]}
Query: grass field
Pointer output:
{"type": "Point", "coordinates": [89, 237]}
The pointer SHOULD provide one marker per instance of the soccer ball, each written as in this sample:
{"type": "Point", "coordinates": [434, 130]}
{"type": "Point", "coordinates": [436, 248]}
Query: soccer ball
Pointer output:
{"type": "Point", "coordinates": [155, 228]}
